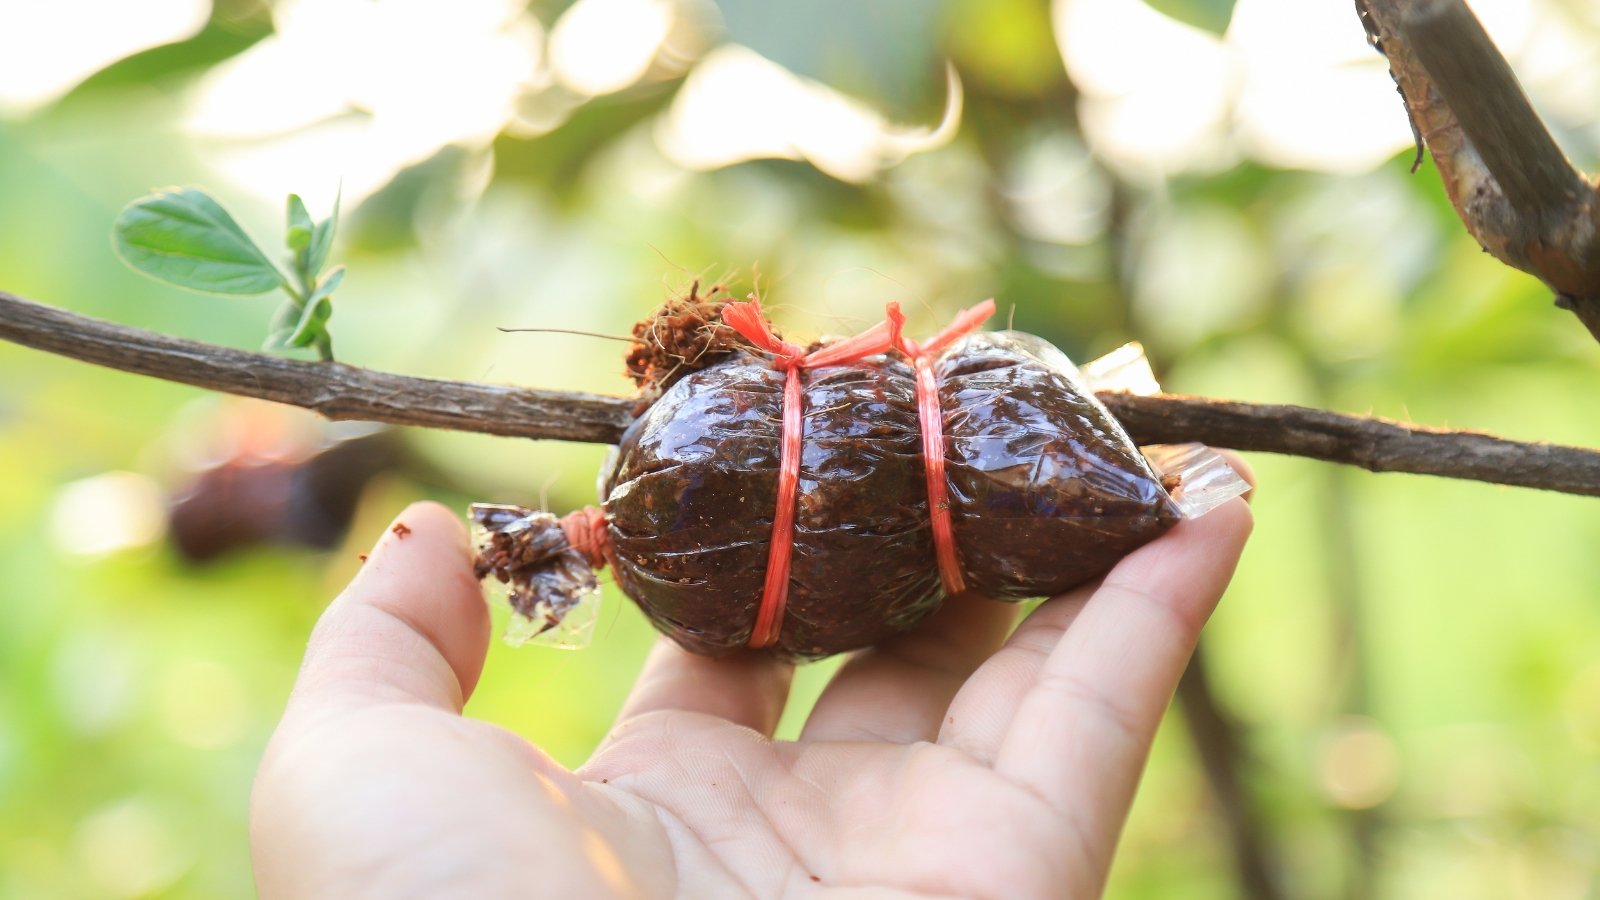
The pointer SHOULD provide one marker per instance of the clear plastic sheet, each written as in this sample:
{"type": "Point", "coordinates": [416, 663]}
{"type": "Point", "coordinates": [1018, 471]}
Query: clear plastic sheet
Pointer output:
{"type": "Point", "coordinates": [551, 588]}
{"type": "Point", "coordinates": [1123, 369]}
{"type": "Point", "coordinates": [1204, 480]}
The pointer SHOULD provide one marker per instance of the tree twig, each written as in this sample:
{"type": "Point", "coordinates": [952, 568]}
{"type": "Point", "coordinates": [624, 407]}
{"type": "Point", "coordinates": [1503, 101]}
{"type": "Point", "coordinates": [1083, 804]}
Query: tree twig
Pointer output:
{"type": "Point", "coordinates": [1369, 442]}
{"type": "Point", "coordinates": [334, 390]}
{"type": "Point", "coordinates": [1513, 188]}
{"type": "Point", "coordinates": [343, 392]}
{"type": "Point", "coordinates": [1218, 744]}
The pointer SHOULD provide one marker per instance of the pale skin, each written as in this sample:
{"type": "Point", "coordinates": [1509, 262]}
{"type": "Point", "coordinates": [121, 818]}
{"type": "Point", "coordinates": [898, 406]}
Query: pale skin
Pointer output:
{"type": "Point", "coordinates": [967, 758]}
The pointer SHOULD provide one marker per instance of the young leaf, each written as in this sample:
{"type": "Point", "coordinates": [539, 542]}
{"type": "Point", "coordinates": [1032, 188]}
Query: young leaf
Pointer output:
{"type": "Point", "coordinates": [300, 226]}
{"type": "Point", "coordinates": [322, 239]}
{"type": "Point", "coordinates": [328, 284]}
{"type": "Point", "coordinates": [312, 328]}
{"type": "Point", "coordinates": [185, 238]}
{"type": "Point", "coordinates": [313, 324]}
{"type": "Point", "coordinates": [284, 322]}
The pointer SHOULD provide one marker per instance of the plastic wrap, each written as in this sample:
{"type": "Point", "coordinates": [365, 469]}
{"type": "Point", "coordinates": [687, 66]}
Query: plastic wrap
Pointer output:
{"type": "Point", "coordinates": [690, 507]}
{"type": "Point", "coordinates": [550, 585]}
{"type": "Point", "coordinates": [1047, 491]}
{"type": "Point", "coordinates": [1044, 491]}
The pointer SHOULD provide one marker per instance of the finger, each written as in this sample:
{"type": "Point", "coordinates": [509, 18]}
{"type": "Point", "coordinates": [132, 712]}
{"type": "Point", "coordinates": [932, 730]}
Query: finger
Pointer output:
{"type": "Point", "coordinates": [411, 627]}
{"type": "Point", "coordinates": [984, 705]}
{"type": "Point", "coordinates": [746, 688]}
{"type": "Point", "coordinates": [1081, 733]}
{"type": "Point", "coordinates": [899, 690]}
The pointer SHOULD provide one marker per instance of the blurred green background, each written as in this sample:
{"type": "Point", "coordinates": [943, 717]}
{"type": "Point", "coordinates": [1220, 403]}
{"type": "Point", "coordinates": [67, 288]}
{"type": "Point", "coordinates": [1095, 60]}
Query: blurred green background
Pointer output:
{"type": "Point", "coordinates": [1412, 665]}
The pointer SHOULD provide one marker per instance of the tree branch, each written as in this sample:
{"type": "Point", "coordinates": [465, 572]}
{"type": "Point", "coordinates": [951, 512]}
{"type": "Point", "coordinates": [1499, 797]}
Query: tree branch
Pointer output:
{"type": "Point", "coordinates": [336, 391]}
{"type": "Point", "coordinates": [343, 392]}
{"type": "Point", "coordinates": [1219, 744]}
{"type": "Point", "coordinates": [1372, 443]}
{"type": "Point", "coordinates": [1511, 185]}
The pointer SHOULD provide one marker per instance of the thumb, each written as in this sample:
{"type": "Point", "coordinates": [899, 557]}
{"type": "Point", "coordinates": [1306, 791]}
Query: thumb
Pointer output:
{"type": "Point", "coordinates": [411, 627]}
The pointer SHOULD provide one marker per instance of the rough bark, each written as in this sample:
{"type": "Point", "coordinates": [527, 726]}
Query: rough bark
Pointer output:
{"type": "Point", "coordinates": [343, 392]}
{"type": "Point", "coordinates": [1515, 191]}
{"type": "Point", "coordinates": [334, 390]}
{"type": "Point", "coordinates": [1369, 442]}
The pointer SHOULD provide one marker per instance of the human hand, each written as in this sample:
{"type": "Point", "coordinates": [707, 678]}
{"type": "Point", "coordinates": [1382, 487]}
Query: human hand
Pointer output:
{"type": "Point", "coordinates": [952, 760]}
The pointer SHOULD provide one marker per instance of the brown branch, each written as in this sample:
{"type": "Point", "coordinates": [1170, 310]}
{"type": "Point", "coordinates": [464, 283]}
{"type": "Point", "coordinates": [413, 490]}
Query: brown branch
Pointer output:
{"type": "Point", "coordinates": [1372, 443]}
{"type": "Point", "coordinates": [1511, 185]}
{"type": "Point", "coordinates": [340, 392]}
{"type": "Point", "coordinates": [1219, 744]}
{"type": "Point", "coordinates": [336, 391]}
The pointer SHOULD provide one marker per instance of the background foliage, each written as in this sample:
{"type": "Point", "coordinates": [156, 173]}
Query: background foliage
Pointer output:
{"type": "Point", "coordinates": [1415, 663]}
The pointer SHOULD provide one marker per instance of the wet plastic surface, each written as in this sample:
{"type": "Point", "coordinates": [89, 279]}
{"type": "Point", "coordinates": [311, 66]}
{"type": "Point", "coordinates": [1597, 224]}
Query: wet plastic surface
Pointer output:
{"type": "Point", "coordinates": [689, 508]}
{"type": "Point", "coordinates": [1046, 492]}
{"type": "Point", "coordinates": [550, 585]}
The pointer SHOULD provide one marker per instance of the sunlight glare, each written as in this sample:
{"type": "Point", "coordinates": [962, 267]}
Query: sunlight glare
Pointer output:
{"type": "Point", "coordinates": [1314, 95]}
{"type": "Point", "coordinates": [737, 105]}
{"type": "Point", "coordinates": [46, 50]}
{"type": "Point", "coordinates": [1291, 84]}
{"type": "Point", "coordinates": [355, 91]}
{"type": "Point", "coordinates": [1358, 766]}
{"type": "Point", "coordinates": [1154, 90]}
{"type": "Point", "coordinates": [108, 513]}
{"type": "Point", "coordinates": [602, 46]}
{"type": "Point", "coordinates": [130, 848]}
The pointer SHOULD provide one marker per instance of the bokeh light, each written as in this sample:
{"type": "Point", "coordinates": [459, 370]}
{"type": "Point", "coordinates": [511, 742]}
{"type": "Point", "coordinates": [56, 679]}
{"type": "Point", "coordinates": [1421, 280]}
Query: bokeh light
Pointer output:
{"type": "Point", "coordinates": [45, 50]}
{"type": "Point", "coordinates": [1410, 663]}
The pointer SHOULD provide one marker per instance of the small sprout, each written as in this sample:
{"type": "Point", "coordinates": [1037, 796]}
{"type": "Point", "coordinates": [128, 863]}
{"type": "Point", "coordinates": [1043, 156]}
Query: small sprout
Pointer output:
{"type": "Point", "coordinates": [185, 238]}
{"type": "Point", "coordinates": [300, 226]}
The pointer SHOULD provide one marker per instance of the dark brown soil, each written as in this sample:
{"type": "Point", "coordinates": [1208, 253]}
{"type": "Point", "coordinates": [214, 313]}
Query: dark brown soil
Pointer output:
{"type": "Point", "coordinates": [1046, 493]}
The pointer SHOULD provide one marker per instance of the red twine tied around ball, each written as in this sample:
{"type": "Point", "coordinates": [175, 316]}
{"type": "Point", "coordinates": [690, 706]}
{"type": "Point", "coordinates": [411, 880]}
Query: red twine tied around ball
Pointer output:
{"type": "Point", "coordinates": [747, 319]}
{"type": "Point", "coordinates": [930, 418]}
{"type": "Point", "coordinates": [586, 533]}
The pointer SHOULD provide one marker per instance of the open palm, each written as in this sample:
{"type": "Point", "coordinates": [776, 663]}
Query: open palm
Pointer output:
{"type": "Point", "coordinates": [951, 761]}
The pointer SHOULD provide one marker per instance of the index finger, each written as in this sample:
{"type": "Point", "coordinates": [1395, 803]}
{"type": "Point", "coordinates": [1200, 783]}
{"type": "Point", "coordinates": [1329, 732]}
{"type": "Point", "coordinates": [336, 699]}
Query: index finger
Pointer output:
{"type": "Point", "coordinates": [411, 627]}
{"type": "Point", "coordinates": [1081, 734]}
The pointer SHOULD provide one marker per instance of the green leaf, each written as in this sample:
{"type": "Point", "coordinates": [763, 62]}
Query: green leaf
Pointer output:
{"type": "Point", "coordinates": [322, 239]}
{"type": "Point", "coordinates": [300, 226]}
{"type": "Point", "coordinates": [328, 285]}
{"type": "Point", "coordinates": [183, 237]}
{"type": "Point", "coordinates": [283, 325]}
{"type": "Point", "coordinates": [313, 324]}
{"type": "Point", "coordinates": [318, 309]}
{"type": "Point", "coordinates": [1211, 15]}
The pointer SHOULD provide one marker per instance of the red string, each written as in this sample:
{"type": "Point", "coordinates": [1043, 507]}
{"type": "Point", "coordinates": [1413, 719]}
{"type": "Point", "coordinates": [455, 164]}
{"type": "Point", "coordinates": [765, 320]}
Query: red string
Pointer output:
{"type": "Point", "coordinates": [586, 532]}
{"type": "Point", "coordinates": [930, 419]}
{"type": "Point", "coordinates": [747, 319]}
{"type": "Point", "coordinates": [585, 529]}
{"type": "Point", "coordinates": [775, 590]}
